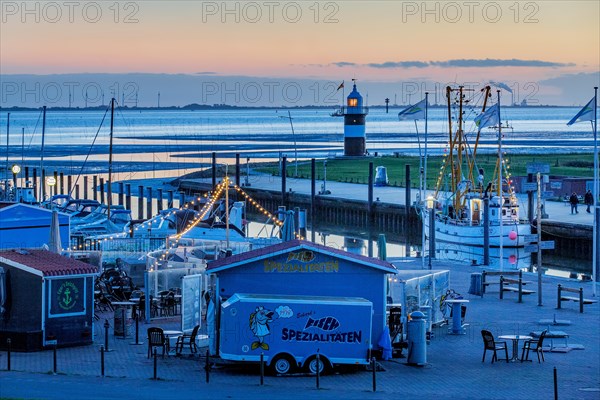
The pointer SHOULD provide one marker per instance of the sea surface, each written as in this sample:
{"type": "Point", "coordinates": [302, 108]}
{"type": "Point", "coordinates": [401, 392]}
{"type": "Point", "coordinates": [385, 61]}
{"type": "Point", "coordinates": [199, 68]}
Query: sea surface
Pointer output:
{"type": "Point", "coordinates": [167, 143]}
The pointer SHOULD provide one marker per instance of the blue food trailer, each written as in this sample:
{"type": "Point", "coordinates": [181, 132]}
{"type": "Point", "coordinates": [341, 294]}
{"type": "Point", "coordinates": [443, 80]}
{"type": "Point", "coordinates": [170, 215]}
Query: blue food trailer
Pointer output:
{"type": "Point", "coordinates": [302, 268]}
{"type": "Point", "coordinates": [289, 331]}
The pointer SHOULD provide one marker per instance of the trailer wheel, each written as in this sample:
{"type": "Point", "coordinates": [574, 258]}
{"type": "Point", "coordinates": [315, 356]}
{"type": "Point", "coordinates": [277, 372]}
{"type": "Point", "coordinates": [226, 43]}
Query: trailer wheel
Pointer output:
{"type": "Point", "coordinates": [311, 365]}
{"type": "Point", "coordinates": [283, 364]}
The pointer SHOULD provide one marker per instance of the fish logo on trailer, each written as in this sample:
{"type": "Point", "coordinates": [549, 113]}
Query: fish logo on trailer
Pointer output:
{"type": "Point", "coordinates": [67, 295]}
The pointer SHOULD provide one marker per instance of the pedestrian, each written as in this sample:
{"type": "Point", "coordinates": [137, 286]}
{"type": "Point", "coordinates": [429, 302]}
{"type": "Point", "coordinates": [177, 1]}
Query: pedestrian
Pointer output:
{"type": "Point", "coordinates": [589, 200]}
{"type": "Point", "coordinates": [574, 201]}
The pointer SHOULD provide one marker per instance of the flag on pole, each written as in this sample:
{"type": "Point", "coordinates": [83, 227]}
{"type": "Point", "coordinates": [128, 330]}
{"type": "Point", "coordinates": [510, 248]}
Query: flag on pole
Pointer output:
{"type": "Point", "coordinates": [416, 111]}
{"type": "Point", "coordinates": [585, 114]}
{"type": "Point", "coordinates": [489, 117]}
{"type": "Point", "coordinates": [340, 87]}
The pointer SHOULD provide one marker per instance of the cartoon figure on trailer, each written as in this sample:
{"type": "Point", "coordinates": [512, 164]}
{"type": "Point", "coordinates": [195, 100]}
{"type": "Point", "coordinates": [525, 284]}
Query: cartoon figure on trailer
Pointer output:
{"type": "Point", "coordinates": [259, 325]}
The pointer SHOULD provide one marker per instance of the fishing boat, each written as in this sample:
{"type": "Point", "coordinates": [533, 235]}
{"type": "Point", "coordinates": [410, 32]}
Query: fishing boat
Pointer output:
{"type": "Point", "coordinates": [458, 211]}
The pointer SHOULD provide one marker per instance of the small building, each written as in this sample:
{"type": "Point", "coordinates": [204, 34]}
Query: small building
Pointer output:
{"type": "Point", "coordinates": [45, 297]}
{"type": "Point", "coordinates": [304, 268]}
{"type": "Point", "coordinates": [26, 226]}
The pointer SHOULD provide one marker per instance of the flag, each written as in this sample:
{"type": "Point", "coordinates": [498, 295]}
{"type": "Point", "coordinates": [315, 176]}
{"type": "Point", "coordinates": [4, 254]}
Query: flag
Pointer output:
{"type": "Point", "coordinates": [416, 111]}
{"type": "Point", "coordinates": [340, 87]}
{"type": "Point", "coordinates": [489, 117]}
{"type": "Point", "coordinates": [586, 113]}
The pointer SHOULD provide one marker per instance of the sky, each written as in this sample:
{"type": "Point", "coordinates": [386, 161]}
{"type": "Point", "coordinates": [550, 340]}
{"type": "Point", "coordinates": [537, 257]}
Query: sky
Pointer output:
{"type": "Point", "coordinates": [549, 50]}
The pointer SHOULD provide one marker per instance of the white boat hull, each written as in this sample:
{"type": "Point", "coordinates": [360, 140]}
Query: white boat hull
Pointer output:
{"type": "Point", "coordinates": [513, 234]}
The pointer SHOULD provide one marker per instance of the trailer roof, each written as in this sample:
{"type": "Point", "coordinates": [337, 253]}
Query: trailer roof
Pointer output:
{"type": "Point", "coordinates": [45, 263]}
{"type": "Point", "coordinates": [294, 245]}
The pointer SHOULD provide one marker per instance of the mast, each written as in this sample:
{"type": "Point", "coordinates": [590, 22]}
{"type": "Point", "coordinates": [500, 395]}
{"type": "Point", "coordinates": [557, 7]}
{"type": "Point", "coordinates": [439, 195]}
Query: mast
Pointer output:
{"type": "Point", "coordinates": [450, 143]}
{"type": "Point", "coordinates": [110, 156]}
{"type": "Point", "coordinates": [472, 163]}
{"type": "Point", "coordinates": [43, 184]}
{"type": "Point", "coordinates": [459, 150]}
{"type": "Point", "coordinates": [7, 145]}
{"type": "Point", "coordinates": [500, 171]}
{"type": "Point", "coordinates": [596, 218]}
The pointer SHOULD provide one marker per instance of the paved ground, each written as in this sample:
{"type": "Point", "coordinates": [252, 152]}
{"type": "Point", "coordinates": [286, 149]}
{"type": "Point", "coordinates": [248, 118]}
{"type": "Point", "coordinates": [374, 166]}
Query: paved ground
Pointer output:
{"type": "Point", "coordinates": [454, 367]}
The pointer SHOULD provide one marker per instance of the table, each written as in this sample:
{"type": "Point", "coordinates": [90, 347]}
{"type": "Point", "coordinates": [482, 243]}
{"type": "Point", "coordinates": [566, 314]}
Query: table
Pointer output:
{"type": "Point", "coordinates": [170, 334]}
{"type": "Point", "coordinates": [515, 339]}
{"type": "Point", "coordinates": [456, 304]}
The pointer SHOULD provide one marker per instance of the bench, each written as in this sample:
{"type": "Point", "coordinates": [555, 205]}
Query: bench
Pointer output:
{"type": "Point", "coordinates": [485, 273]}
{"type": "Point", "coordinates": [519, 289]}
{"type": "Point", "coordinates": [578, 299]}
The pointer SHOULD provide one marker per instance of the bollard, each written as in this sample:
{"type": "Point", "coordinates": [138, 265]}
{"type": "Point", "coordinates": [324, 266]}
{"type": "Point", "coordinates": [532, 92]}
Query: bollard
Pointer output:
{"type": "Point", "coordinates": [8, 342]}
{"type": "Point", "coordinates": [374, 366]}
{"type": "Point", "coordinates": [137, 328]}
{"type": "Point", "coordinates": [262, 368]}
{"type": "Point", "coordinates": [123, 322]}
{"type": "Point", "coordinates": [155, 364]}
{"type": "Point", "coordinates": [555, 385]}
{"type": "Point", "coordinates": [106, 326]}
{"type": "Point", "coordinates": [101, 360]}
{"type": "Point", "coordinates": [318, 358]}
{"type": "Point", "coordinates": [207, 367]}
{"type": "Point", "coordinates": [54, 368]}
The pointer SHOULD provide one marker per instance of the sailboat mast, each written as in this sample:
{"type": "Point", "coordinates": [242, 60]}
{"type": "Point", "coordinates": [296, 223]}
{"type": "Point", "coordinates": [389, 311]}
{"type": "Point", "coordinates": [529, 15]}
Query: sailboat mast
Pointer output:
{"type": "Point", "coordinates": [7, 146]}
{"type": "Point", "coordinates": [110, 156]}
{"type": "Point", "coordinates": [450, 144]}
{"type": "Point", "coordinates": [500, 162]}
{"type": "Point", "coordinates": [43, 184]}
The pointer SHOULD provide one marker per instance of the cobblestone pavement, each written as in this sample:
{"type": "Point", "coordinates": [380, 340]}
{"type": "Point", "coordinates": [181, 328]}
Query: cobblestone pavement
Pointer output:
{"type": "Point", "coordinates": [454, 368]}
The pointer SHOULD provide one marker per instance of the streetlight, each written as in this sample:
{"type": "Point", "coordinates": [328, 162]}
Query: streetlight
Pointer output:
{"type": "Point", "coordinates": [51, 181]}
{"type": "Point", "coordinates": [15, 171]}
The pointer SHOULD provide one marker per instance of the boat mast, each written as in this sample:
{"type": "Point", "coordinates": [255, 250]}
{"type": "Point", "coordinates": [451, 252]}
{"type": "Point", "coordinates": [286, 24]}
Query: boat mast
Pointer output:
{"type": "Point", "coordinates": [500, 162]}
{"type": "Point", "coordinates": [42, 184]}
{"type": "Point", "coordinates": [450, 143]}
{"type": "Point", "coordinates": [459, 148]}
{"type": "Point", "coordinates": [7, 176]}
{"type": "Point", "coordinates": [110, 156]}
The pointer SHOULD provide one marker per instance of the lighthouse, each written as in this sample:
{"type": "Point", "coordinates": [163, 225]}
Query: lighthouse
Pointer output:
{"type": "Point", "coordinates": [354, 125]}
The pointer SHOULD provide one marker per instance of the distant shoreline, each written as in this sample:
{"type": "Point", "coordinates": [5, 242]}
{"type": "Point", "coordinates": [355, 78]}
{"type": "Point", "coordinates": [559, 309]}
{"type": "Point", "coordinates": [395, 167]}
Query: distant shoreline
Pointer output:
{"type": "Point", "coordinates": [204, 107]}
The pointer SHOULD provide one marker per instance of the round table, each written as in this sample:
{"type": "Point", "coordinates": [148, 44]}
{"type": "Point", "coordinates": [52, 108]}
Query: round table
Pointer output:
{"type": "Point", "coordinates": [457, 328]}
{"type": "Point", "coordinates": [515, 339]}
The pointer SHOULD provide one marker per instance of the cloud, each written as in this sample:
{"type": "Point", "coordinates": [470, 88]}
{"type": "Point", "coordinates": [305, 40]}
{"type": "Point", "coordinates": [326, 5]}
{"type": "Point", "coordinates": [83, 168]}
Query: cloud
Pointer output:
{"type": "Point", "coordinates": [494, 62]}
{"type": "Point", "coordinates": [399, 64]}
{"type": "Point", "coordinates": [345, 64]}
{"type": "Point", "coordinates": [459, 63]}
{"type": "Point", "coordinates": [206, 73]}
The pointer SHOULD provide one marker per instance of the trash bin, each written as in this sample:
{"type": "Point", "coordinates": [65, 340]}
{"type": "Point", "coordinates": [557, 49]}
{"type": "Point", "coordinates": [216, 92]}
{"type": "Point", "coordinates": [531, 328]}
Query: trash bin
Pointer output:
{"type": "Point", "coordinates": [417, 345]}
{"type": "Point", "coordinates": [123, 320]}
{"type": "Point", "coordinates": [476, 287]}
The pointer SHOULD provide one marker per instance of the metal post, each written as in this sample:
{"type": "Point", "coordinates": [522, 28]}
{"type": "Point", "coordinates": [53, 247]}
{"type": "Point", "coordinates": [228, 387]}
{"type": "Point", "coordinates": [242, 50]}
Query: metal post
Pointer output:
{"type": "Point", "coordinates": [214, 169]}
{"type": "Point", "coordinates": [8, 343]}
{"type": "Point", "coordinates": [283, 181]}
{"type": "Point", "coordinates": [95, 187]}
{"type": "Point", "coordinates": [170, 199]}
{"type": "Point", "coordinates": [207, 367]}
{"type": "Point", "coordinates": [69, 183]}
{"type": "Point", "coordinates": [155, 365]}
{"type": "Point", "coordinates": [128, 196]}
{"type": "Point", "coordinates": [486, 231]}
{"type": "Point", "coordinates": [62, 183]}
{"type": "Point", "coordinates": [43, 185]}
{"type": "Point", "coordinates": [121, 189]}
{"type": "Point", "coordinates": [374, 366]}
{"type": "Point", "coordinates": [106, 326]}
{"type": "Point", "coordinates": [137, 328]}
{"type": "Point", "coordinates": [558, 302]}
{"type": "Point", "coordinates": [159, 200]}
{"type": "Point", "coordinates": [140, 202]}
{"type": "Point", "coordinates": [55, 183]}
{"type": "Point", "coordinates": [102, 360]}
{"type": "Point", "coordinates": [149, 202]}
{"type": "Point", "coordinates": [237, 169]}
{"type": "Point", "coordinates": [54, 361]}
{"type": "Point", "coordinates": [123, 322]}
{"type": "Point", "coordinates": [102, 190]}
{"type": "Point", "coordinates": [181, 199]}
{"type": "Point", "coordinates": [35, 184]}
{"type": "Point", "coordinates": [85, 187]}
{"type": "Point", "coordinates": [555, 385]}
{"type": "Point", "coordinates": [318, 369]}
{"type": "Point", "coordinates": [262, 368]}
{"type": "Point", "coordinates": [431, 234]}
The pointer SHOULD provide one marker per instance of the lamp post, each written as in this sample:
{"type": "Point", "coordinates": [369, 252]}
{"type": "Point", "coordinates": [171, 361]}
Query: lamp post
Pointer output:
{"type": "Point", "coordinates": [51, 181]}
{"type": "Point", "coordinates": [431, 214]}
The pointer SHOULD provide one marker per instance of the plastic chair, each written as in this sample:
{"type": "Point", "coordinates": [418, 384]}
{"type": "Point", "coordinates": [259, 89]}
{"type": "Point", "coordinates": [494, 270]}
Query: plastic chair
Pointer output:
{"type": "Point", "coordinates": [187, 339]}
{"type": "Point", "coordinates": [534, 345]}
{"type": "Point", "coordinates": [490, 344]}
{"type": "Point", "coordinates": [156, 338]}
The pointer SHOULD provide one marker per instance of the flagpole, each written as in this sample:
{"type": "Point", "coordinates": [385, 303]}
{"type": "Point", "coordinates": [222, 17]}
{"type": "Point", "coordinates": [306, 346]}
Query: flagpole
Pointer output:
{"type": "Point", "coordinates": [423, 198]}
{"type": "Point", "coordinates": [596, 219]}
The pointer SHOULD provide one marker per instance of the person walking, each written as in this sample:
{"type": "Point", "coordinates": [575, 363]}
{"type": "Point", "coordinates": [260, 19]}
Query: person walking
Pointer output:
{"type": "Point", "coordinates": [588, 200]}
{"type": "Point", "coordinates": [574, 201]}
